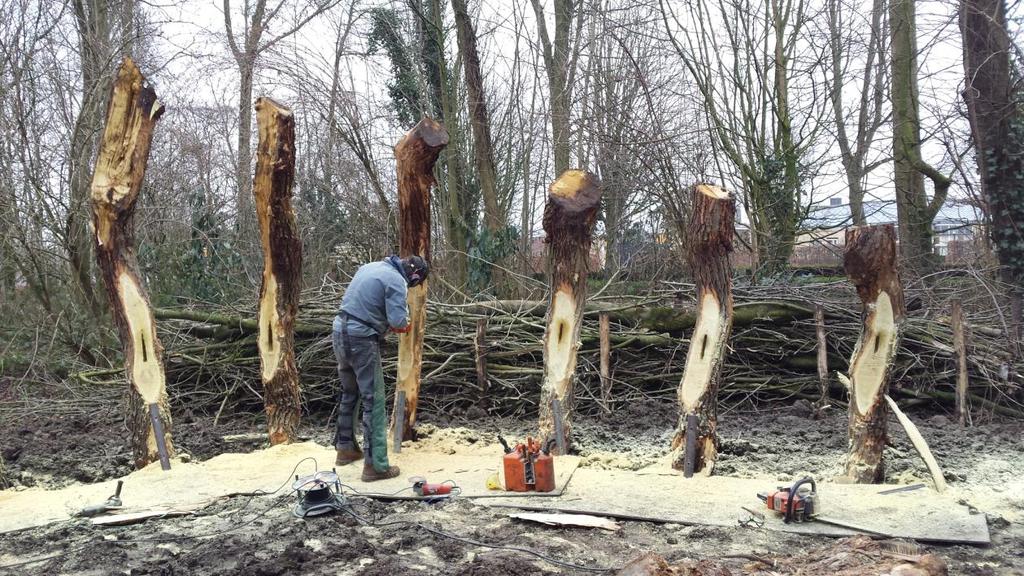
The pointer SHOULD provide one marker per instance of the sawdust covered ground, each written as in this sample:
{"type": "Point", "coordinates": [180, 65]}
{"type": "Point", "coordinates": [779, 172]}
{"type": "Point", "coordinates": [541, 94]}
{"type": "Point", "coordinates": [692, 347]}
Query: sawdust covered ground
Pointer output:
{"type": "Point", "coordinates": [259, 536]}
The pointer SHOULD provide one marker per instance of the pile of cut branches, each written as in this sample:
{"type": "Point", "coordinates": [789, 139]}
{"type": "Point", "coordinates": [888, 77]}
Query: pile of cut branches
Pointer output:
{"type": "Point", "coordinates": [213, 365]}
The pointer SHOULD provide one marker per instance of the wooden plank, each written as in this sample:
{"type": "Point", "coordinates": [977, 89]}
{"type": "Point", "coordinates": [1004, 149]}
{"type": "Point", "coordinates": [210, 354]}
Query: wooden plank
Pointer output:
{"type": "Point", "coordinates": [578, 520]}
{"type": "Point", "coordinates": [136, 517]}
{"type": "Point", "coordinates": [719, 501]}
{"type": "Point", "coordinates": [919, 444]}
{"type": "Point", "coordinates": [189, 483]}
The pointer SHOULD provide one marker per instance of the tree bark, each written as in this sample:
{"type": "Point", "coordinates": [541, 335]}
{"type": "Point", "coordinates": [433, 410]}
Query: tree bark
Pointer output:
{"type": "Point", "coordinates": [853, 153]}
{"type": "Point", "coordinates": [483, 153]}
{"type": "Point", "coordinates": [997, 126]}
{"type": "Point", "coordinates": [915, 212]}
{"type": "Point", "coordinates": [819, 326]}
{"type": "Point", "coordinates": [120, 167]}
{"type": "Point", "coordinates": [960, 346]}
{"type": "Point", "coordinates": [415, 154]}
{"type": "Point", "coordinates": [560, 66]}
{"type": "Point", "coordinates": [480, 349]}
{"type": "Point", "coordinates": [709, 248]}
{"type": "Point", "coordinates": [569, 217]}
{"type": "Point", "coordinates": [870, 262]}
{"type": "Point", "coordinates": [94, 23]}
{"type": "Point", "coordinates": [604, 335]}
{"type": "Point", "coordinates": [282, 268]}
{"type": "Point", "coordinates": [456, 195]}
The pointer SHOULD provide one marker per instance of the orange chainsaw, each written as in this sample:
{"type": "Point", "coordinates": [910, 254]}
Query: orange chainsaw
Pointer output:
{"type": "Point", "coordinates": [794, 505]}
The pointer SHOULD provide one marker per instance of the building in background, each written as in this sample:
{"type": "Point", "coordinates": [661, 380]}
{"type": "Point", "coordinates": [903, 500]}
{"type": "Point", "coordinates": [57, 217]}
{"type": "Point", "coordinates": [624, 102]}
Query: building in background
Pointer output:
{"type": "Point", "coordinates": [957, 229]}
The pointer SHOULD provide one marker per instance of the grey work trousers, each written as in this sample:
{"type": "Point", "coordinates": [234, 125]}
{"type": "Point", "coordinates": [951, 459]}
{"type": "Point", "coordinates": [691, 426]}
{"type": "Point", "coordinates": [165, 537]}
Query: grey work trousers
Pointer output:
{"type": "Point", "coordinates": [362, 377]}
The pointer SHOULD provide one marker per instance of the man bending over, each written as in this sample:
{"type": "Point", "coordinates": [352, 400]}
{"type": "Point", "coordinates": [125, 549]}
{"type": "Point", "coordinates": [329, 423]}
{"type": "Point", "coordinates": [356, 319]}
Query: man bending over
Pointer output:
{"type": "Point", "coordinates": [374, 302]}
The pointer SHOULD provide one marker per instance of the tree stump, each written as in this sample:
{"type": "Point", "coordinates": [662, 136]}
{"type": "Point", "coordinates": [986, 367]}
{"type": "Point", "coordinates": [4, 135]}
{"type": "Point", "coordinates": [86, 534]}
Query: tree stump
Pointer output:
{"type": "Point", "coordinates": [870, 262]}
{"type": "Point", "coordinates": [709, 248]}
{"type": "Point", "coordinates": [569, 217]}
{"type": "Point", "coordinates": [416, 154]}
{"type": "Point", "coordinates": [282, 268]}
{"type": "Point", "coordinates": [120, 168]}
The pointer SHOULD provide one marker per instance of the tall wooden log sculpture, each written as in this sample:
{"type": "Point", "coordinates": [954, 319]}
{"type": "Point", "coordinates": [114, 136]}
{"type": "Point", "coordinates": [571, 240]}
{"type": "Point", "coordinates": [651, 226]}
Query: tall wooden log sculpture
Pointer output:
{"type": "Point", "coordinates": [709, 248]}
{"type": "Point", "coordinates": [569, 216]}
{"type": "Point", "coordinates": [415, 153]}
{"type": "Point", "coordinates": [282, 268]}
{"type": "Point", "coordinates": [870, 262]}
{"type": "Point", "coordinates": [120, 166]}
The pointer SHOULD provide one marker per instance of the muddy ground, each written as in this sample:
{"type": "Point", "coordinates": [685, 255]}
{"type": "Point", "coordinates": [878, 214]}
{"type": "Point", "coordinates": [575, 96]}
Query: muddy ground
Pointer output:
{"type": "Point", "coordinates": [259, 536]}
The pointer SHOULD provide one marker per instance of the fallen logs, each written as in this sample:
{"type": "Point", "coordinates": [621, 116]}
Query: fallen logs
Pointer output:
{"type": "Point", "coordinates": [213, 366]}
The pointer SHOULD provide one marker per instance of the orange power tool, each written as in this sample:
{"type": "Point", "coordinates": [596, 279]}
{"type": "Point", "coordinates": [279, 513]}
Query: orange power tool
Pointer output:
{"type": "Point", "coordinates": [794, 505]}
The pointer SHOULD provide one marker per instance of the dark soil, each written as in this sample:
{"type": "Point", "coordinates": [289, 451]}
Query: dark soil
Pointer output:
{"type": "Point", "coordinates": [261, 536]}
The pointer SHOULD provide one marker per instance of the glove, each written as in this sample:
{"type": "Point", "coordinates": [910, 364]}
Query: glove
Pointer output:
{"type": "Point", "coordinates": [401, 330]}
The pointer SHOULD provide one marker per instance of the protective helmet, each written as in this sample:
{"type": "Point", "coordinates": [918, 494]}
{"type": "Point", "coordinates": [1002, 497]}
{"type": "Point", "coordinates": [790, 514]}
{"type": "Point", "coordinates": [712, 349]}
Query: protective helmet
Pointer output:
{"type": "Point", "coordinates": [416, 270]}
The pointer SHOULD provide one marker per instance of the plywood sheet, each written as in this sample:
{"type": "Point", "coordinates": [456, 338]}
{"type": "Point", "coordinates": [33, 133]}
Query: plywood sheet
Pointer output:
{"type": "Point", "coordinates": [662, 496]}
{"type": "Point", "coordinates": [189, 483]}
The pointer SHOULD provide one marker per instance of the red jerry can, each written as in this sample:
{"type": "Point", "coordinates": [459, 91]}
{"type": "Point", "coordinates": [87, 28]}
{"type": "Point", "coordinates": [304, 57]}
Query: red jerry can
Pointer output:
{"type": "Point", "coordinates": [544, 469]}
{"type": "Point", "coordinates": [515, 472]}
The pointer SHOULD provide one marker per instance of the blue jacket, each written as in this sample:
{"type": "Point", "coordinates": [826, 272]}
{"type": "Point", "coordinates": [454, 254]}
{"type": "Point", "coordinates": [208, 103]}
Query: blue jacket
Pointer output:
{"type": "Point", "coordinates": [376, 296]}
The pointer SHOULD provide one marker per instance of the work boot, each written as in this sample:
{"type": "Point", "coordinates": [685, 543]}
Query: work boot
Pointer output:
{"type": "Point", "coordinates": [371, 474]}
{"type": "Point", "coordinates": [348, 456]}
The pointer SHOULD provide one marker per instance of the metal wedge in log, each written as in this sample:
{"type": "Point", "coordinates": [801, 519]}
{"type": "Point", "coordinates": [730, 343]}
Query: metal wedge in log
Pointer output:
{"type": "Point", "coordinates": [870, 263]}
{"type": "Point", "coordinates": [709, 248]}
{"type": "Point", "coordinates": [120, 167]}
{"type": "Point", "coordinates": [569, 217]}
{"type": "Point", "coordinates": [282, 268]}
{"type": "Point", "coordinates": [415, 154]}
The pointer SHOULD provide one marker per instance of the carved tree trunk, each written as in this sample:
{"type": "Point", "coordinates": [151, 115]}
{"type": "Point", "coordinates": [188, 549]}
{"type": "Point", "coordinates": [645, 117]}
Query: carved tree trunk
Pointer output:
{"type": "Point", "coordinates": [120, 166]}
{"type": "Point", "coordinates": [415, 153]}
{"type": "Point", "coordinates": [709, 247]}
{"type": "Point", "coordinates": [870, 262]}
{"type": "Point", "coordinates": [569, 216]}
{"type": "Point", "coordinates": [282, 268]}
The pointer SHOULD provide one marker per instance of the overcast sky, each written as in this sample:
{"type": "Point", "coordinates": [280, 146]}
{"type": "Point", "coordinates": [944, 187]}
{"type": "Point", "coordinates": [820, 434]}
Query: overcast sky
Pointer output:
{"type": "Point", "coordinates": [198, 68]}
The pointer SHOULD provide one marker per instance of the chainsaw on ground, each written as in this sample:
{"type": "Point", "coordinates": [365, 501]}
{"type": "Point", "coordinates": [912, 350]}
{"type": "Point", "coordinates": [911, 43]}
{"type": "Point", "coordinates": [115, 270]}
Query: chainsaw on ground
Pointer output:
{"type": "Point", "coordinates": [794, 505]}
{"type": "Point", "coordinates": [529, 466]}
{"type": "Point", "coordinates": [800, 503]}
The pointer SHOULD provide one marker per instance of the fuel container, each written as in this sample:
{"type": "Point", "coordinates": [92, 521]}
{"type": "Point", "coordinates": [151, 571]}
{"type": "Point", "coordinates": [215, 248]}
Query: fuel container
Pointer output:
{"type": "Point", "coordinates": [515, 472]}
{"type": "Point", "coordinates": [544, 469]}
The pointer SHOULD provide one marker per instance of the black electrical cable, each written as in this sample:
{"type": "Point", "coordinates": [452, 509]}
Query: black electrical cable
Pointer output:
{"type": "Point", "coordinates": [191, 537]}
{"type": "Point", "coordinates": [377, 524]}
{"type": "Point", "coordinates": [346, 508]}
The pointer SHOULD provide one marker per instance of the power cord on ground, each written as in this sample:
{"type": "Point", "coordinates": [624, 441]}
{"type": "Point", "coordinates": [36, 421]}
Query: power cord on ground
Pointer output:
{"type": "Point", "coordinates": [347, 508]}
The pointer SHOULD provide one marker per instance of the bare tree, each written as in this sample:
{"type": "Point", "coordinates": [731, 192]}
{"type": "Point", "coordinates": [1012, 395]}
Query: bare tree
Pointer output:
{"type": "Point", "coordinates": [867, 64]}
{"type": "Point", "coordinates": [247, 46]}
{"type": "Point", "coordinates": [995, 104]}
{"type": "Point", "coordinates": [483, 152]}
{"type": "Point", "coordinates": [742, 55]}
{"type": "Point", "coordinates": [103, 33]}
{"type": "Point", "coordinates": [560, 57]}
{"type": "Point", "coordinates": [915, 211]}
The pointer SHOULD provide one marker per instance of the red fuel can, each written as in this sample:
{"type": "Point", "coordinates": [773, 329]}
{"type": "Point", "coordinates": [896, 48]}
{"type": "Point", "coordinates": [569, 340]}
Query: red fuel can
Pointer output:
{"type": "Point", "coordinates": [544, 470]}
{"type": "Point", "coordinates": [515, 472]}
